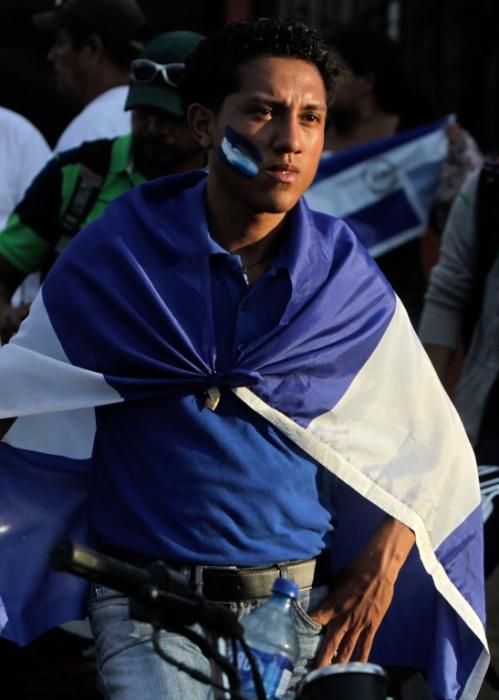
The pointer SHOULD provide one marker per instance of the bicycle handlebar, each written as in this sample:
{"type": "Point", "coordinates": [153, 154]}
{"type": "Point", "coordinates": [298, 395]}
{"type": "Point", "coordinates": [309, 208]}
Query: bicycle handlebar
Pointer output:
{"type": "Point", "coordinates": [165, 590]}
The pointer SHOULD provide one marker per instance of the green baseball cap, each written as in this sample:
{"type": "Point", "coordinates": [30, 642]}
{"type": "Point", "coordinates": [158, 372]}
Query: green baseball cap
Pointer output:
{"type": "Point", "coordinates": [155, 74]}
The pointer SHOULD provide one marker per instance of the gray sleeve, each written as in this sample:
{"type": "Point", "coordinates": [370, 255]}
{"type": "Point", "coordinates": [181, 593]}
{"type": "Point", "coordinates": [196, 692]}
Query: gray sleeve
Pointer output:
{"type": "Point", "coordinates": [452, 277]}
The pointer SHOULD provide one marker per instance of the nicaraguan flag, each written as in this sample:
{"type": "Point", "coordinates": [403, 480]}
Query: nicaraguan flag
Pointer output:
{"type": "Point", "coordinates": [124, 315]}
{"type": "Point", "coordinates": [383, 189]}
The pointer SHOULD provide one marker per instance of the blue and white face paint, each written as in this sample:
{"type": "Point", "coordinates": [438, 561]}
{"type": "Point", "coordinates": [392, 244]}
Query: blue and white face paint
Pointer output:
{"type": "Point", "coordinates": [243, 162]}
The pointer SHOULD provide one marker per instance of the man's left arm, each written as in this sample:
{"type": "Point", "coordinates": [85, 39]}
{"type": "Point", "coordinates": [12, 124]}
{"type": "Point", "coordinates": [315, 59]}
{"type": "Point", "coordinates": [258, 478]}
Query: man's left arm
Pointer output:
{"type": "Point", "coordinates": [362, 593]}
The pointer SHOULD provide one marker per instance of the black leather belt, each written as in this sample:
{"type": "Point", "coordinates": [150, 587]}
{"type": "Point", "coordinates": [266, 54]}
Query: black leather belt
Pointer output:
{"type": "Point", "coordinates": [235, 583]}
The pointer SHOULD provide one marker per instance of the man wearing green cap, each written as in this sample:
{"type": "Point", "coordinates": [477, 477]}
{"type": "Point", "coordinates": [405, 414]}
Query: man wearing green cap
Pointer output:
{"type": "Point", "coordinates": [75, 187]}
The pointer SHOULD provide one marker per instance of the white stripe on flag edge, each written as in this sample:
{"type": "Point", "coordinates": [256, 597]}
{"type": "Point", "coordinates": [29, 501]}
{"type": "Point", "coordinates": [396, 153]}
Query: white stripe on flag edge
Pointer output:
{"type": "Point", "coordinates": [330, 459]}
{"type": "Point", "coordinates": [475, 681]}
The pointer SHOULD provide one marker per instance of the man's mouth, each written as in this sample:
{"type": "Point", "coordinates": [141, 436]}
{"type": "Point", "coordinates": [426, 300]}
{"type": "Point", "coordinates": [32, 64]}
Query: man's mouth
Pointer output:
{"type": "Point", "coordinates": [285, 173]}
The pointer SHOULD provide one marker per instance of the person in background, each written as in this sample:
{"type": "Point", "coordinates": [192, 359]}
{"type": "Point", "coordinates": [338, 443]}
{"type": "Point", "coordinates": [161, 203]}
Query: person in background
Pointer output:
{"type": "Point", "coordinates": [459, 329]}
{"type": "Point", "coordinates": [375, 100]}
{"type": "Point", "coordinates": [76, 186]}
{"type": "Point", "coordinates": [95, 42]}
{"type": "Point", "coordinates": [461, 311]}
{"type": "Point", "coordinates": [23, 152]}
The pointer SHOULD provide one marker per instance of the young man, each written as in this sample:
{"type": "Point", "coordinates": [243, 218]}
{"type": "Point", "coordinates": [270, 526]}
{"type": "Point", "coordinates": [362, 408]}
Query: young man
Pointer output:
{"type": "Point", "coordinates": [239, 350]}
{"type": "Point", "coordinates": [75, 187]}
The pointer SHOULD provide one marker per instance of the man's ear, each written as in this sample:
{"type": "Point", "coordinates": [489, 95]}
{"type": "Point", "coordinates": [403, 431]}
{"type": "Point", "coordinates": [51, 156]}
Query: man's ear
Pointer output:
{"type": "Point", "coordinates": [93, 47]}
{"type": "Point", "coordinates": [368, 82]}
{"type": "Point", "coordinates": [201, 121]}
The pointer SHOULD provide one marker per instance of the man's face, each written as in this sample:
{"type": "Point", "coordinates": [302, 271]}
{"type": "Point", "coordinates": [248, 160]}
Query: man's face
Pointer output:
{"type": "Point", "coordinates": [68, 64]}
{"type": "Point", "coordinates": [163, 143]}
{"type": "Point", "coordinates": [280, 109]}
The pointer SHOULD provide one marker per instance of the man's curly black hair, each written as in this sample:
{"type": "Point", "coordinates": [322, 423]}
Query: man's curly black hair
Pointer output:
{"type": "Point", "coordinates": [211, 71]}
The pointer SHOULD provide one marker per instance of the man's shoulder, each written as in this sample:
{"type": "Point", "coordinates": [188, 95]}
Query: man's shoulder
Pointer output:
{"type": "Point", "coordinates": [94, 155]}
{"type": "Point", "coordinates": [18, 126]}
{"type": "Point", "coordinates": [104, 117]}
{"type": "Point", "coordinates": [171, 186]}
{"type": "Point", "coordinates": [157, 201]}
{"type": "Point", "coordinates": [336, 250]}
{"type": "Point", "coordinates": [334, 231]}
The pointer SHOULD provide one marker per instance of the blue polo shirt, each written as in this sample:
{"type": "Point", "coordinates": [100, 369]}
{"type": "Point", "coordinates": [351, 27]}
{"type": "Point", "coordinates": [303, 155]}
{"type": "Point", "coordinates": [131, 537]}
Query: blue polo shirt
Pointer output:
{"type": "Point", "coordinates": [230, 489]}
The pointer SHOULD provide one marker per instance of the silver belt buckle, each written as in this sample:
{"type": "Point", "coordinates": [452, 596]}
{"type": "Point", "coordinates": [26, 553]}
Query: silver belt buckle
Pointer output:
{"type": "Point", "coordinates": [198, 579]}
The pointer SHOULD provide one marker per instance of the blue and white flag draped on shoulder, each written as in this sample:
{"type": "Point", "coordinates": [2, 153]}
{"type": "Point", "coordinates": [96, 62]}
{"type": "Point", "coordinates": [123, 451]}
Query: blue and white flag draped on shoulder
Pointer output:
{"type": "Point", "coordinates": [383, 189]}
{"type": "Point", "coordinates": [342, 375]}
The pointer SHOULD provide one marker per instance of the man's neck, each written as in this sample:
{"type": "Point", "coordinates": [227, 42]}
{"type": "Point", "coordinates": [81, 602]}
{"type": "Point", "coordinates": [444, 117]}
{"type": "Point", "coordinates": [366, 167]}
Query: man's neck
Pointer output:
{"type": "Point", "coordinates": [256, 238]}
{"type": "Point", "coordinates": [379, 125]}
{"type": "Point", "coordinates": [102, 81]}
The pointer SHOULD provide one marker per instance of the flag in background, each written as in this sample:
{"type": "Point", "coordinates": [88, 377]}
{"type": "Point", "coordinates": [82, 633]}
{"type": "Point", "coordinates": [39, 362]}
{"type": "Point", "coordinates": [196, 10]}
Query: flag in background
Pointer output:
{"type": "Point", "coordinates": [384, 189]}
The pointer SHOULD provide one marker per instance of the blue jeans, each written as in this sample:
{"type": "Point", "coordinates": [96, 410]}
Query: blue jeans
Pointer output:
{"type": "Point", "coordinates": [130, 669]}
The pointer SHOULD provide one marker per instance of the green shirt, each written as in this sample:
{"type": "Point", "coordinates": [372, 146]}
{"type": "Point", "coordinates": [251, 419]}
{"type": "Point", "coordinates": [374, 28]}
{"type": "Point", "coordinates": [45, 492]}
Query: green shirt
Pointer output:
{"type": "Point", "coordinates": [47, 217]}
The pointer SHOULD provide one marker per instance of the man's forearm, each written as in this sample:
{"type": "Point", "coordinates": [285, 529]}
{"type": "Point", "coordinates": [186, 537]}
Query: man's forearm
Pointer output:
{"type": "Point", "coordinates": [390, 546]}
{"type": "Point", "coordinates": [361, 594]}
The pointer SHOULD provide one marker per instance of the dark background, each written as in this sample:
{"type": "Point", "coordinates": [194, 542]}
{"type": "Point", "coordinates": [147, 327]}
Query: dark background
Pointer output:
{"type": "Point", "coordinates": [450, 50]}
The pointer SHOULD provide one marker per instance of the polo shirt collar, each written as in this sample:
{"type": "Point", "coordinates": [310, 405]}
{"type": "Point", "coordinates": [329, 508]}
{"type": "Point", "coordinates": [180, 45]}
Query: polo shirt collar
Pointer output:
{"type": "Point", "coordinates": [305, 254]}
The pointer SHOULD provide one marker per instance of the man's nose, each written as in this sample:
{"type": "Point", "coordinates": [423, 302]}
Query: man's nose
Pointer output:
{"type": "Point", "coordinates": [157, 125]}
{"type": "Point", "coordinates": [288, 138]}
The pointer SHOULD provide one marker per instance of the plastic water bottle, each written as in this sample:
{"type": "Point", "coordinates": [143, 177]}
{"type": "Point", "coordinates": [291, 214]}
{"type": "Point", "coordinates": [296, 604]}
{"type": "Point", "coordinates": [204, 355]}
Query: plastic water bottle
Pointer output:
{"type": "Point", "coordinates": [270, 632]}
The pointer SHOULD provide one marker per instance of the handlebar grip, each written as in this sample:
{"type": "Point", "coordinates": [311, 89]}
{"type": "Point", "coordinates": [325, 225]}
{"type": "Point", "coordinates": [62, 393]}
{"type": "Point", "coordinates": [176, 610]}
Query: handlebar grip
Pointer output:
{"type": "Point", "coordinates": [97, 567]}
{"type": "Point", "coordinates": [113, 573]}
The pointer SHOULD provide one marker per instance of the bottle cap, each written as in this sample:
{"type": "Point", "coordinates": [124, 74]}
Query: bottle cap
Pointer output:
{"type": "Point", "coordinates": [285, 586]}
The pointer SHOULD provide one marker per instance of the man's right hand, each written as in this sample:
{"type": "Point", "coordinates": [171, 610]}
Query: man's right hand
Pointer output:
{"type": "Point", "coordinates": [11, 318]}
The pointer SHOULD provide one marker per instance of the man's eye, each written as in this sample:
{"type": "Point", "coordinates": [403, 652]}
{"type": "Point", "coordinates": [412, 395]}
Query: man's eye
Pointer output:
{"type": "Point", "coordinates": [311, 117]}
{"type": "Point", "coordinates": [263, 111]}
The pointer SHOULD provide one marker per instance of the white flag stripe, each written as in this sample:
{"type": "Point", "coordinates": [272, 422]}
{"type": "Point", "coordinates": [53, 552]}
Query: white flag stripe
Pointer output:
{"type": "Point", "coordinates": [43, 379]}
{"type": "Point", "coordinates": [64, 434]}
{"type": "Point", "coordinates": [392, 445]}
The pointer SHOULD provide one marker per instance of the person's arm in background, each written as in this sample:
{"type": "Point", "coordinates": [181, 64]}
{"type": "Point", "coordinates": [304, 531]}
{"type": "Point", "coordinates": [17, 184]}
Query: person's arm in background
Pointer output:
{"type": "Point", "coordinates": [451, 283]}
{"type": "Point", "coordinates": [29, 235]}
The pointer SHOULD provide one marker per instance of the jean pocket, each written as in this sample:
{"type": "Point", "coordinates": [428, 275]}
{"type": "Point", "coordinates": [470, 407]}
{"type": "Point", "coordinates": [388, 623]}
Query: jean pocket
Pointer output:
{"type": "Point", "coordinates": [306, 603]}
